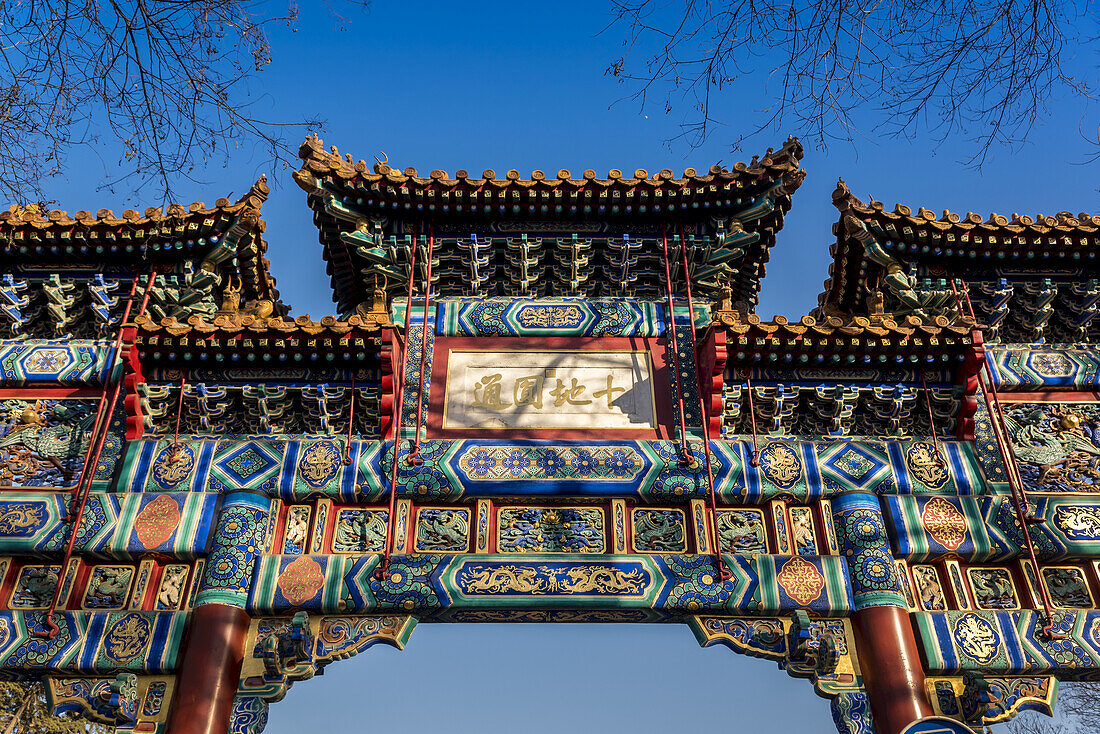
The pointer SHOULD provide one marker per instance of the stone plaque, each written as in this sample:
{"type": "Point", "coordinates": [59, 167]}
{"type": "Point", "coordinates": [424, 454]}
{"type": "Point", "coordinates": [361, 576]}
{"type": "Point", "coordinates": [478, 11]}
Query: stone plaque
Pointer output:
{"type": "Point", "coordinates": [549, 389]}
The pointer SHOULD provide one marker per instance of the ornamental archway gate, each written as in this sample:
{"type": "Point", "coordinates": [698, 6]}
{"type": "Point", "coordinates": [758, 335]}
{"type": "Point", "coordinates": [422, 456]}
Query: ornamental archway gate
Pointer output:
{"type": "Point", "coordinates": [201, 504]}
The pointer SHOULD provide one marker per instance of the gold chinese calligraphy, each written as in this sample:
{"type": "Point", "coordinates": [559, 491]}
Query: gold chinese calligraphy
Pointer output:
{"type": "Point", "coordinates": [549, 389]}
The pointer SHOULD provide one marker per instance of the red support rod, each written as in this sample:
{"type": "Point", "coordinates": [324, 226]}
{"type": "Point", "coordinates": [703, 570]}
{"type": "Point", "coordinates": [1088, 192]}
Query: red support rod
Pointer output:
{"type": "Point", "coordinates": [97, 426]}
{"type": "Point", "coordinates": [686, 456]}
{"type": "Point", "coordinates": [1015, 483]}
{"type": "Point", "coordinates": [755, 460]}
{"type": "Point", "coordinates": [351, 422]}
{"type": "Point", "coordinates": [931, 417]}
{"type": "Point", "coordinates": [1012, 469]}
{"type": "Point", "coordinates": [412, 458]}
{"type": "Point", "coordinates": [399, 399]}
{"type": "Point", "coordinates": [100, 408]}
{"type": "Point", "coordinates": [84, 484]}
{"type": "Point", "coordinates": [723, 572]}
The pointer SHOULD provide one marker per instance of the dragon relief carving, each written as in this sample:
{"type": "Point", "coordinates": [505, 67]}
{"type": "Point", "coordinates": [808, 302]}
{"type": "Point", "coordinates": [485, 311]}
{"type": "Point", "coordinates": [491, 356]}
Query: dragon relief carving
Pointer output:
{"type": "Point", "coordinates": [20, 519]}
{"type": "Point", "coordinates": [929, 589]}
{"type": "Point", "coordinates": [290, 652]}
{"type": "Point", "coordinates": [545, 579]}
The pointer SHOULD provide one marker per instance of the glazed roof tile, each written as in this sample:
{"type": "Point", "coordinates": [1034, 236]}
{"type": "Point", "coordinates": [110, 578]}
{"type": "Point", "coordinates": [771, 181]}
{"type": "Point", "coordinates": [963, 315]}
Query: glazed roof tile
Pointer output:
{"type": "Point", "coordinates": [319, 163]}
{"type": "Point", "coordinates": [857, 341]}
{"type": "Point", "coordinates": [546, 235]}
{"type": "Point", "coordinates": [862, 327]}
{"type": "Point", "coordinates": [953, 241]}
{"type": "Point", "coordinates": [33, 236]}
{"type": "Point", "coordinates": [223, 324]}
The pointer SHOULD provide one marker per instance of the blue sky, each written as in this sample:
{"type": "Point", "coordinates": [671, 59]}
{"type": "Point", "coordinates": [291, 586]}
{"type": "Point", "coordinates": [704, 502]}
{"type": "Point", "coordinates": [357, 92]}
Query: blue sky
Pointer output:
{"type": "Point", "coordinates": [522, 85]}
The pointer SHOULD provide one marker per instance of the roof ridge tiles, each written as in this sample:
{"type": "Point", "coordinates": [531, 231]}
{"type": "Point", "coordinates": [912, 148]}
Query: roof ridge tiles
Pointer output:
{"type": "Point", "coordinates": [742, 323]}
{"type": "Point", "coordinates": [36, 216]}
{"type": "Point", "coordinates": [844, 200]}
{"type": "Point", "coordinates": [30, 229]}
{"type": "Point", "coordinates": [237, 322]}
{"type": "Point", "coordinates": [316, 160]}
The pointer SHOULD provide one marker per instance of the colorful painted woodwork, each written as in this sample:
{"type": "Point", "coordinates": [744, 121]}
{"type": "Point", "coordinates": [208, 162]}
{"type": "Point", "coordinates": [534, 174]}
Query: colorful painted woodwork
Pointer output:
{"type": "Point", "coordinates": [858, 516]}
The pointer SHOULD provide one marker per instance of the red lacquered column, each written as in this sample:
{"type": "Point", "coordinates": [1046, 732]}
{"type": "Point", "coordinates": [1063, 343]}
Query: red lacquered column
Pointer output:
{"type": "Point", "coordinates": [211, 670]}
{"type": "Point", "coordinates": [892, 670]}
{"type": "Point", "coordinates": [888, 657]}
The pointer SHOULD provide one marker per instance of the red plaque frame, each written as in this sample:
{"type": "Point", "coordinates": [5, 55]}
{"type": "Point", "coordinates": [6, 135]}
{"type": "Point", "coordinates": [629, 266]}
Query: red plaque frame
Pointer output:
{"type": "Point", "coordinates": [656, 347]}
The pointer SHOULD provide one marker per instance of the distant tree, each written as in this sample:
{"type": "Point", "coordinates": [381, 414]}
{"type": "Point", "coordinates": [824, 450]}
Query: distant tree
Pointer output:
{"type": "Point", "coordinates": [23, 710]}
{"type": "Point", "coordinates": [981, 69]}
{"type": "Point", "coordinates": [1078, 709]}
{"type": "Point", "coordinates": [166, 79]}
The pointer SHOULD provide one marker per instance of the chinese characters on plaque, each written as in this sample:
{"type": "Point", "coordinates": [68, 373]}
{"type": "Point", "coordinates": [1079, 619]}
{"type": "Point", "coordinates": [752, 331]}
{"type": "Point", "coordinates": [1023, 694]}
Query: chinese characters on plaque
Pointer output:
{"type": "Point", "coordinates": [549, 389]}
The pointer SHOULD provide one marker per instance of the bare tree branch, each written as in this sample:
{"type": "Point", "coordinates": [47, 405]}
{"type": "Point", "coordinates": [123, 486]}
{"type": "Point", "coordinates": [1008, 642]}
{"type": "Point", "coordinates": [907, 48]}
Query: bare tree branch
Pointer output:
{"type": "Point", "coordinates": [981, 69]}
{"type": "Point", "coordinates": [1078, 709]}
{"type": "Point", "coordinates": [167, 79]}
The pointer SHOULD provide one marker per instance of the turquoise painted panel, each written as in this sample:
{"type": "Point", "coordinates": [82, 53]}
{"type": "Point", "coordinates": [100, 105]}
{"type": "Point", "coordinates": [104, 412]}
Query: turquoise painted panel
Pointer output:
{"type": "Point", "coordinates": [54, 362]}
{"type": "Point", "coordinates": [1009, 642]}
{"type": "Point", "coordinates": [668, 584]}
{"type": "Point", "coordinates": [116, 526]}
{"type": "Point", "coordinates": [92, 642]}
{"type": "Point", "coordinates": [650, 471]}
{"type": "Point", "coordinates": [1044, 367]}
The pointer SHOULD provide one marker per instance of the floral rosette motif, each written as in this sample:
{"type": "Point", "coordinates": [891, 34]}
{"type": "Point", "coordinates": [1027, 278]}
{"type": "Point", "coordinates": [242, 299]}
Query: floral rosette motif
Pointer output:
{"type": "Point", "coordinates": [406, 585]}
{"type": "Point", "coordinates": [516, 462]}
{"type": "Point", "coordinates": [237, 524]}
{"type": "Point", "coordinates": [701, 587]}
{"type": "Point", "coordinates": [425, 483]}
{"type": "Point", "coordinates": [224, 566]}
{"type": "Point", "coordinates": [550, 462]}
{"type": "Point", "coordinates": [867, 551]}
{"type": "Point", "coordinates": [620, 463]}
{"type": "Point", "coordinates": [676, 487]}
{"type": "Point", "coordinates": [481, 462]}
{"type": "Point", "coordinates": [583, 463]}
{"type": "Point", "coordinates": [864, 528]}
{"type": "Point", "coordinates": [874, 569]}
